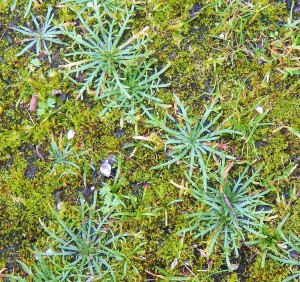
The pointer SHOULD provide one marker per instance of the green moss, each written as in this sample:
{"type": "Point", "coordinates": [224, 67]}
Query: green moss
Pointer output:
{"type": "Point", "coordinates": [202, 66]}
{"type": "Point", "coordinates": [273, 271]}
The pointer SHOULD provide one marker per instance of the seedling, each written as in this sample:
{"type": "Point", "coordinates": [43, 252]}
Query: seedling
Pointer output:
{"type": "Point", "coordinates": [79, 249]}
{"type": "Point", "coordinates": [232, 211]}
{"type": "Point", "coordinates": [61, 156]}
{"type": "Point", "coordinates": [41, 37]}
{"type": "Point", "coordinates": [191, 140]}
{"type": "Point", "coordinates": [102, 54]}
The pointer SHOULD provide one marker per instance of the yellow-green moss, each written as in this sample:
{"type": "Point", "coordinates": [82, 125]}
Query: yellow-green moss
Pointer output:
{"type": "Point", "coordinates": [200, 63]}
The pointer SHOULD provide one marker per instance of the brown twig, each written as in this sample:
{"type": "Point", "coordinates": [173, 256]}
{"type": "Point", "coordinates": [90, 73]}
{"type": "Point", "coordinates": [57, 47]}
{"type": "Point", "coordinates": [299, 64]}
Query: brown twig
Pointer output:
{"type": "Point", "coordinates": [30, 116]}
{"type": "Point", "coordinates": [38, 153]}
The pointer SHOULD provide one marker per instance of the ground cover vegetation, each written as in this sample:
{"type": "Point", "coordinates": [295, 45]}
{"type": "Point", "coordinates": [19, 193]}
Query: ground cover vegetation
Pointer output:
{"type": "Point", "coordinates": [149, 140]}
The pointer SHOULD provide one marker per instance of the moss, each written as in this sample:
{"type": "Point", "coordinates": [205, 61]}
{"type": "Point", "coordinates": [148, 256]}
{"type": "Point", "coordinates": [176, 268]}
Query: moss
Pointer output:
{"type": "Point", "coordinates": [202, 66]}
{"type": "Point", "coordinates": [277, 273]}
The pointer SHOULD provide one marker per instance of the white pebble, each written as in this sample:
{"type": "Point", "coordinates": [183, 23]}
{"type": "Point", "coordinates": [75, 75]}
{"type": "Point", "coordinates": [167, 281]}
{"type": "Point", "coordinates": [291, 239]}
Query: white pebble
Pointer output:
{"type": "Point", "coordinates": [70, 134]}
{"type": "Point", "coordinates": [59, 205]}
{"type": "Point", "coordinates": [174, 263]}
{"type": "Point", "coordinates": [259, 109]}
{"type": "Point", "coordinates": [105, 169]}
{"type": "Point", "coordinates": [49, 252]}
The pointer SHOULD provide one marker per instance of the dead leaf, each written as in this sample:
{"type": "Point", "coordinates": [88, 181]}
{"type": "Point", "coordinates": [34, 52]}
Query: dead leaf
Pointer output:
{"type": "Point", "coordinates": [33, 103]}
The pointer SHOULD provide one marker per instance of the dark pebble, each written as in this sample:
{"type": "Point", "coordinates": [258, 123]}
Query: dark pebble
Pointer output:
{"type": "Point", "coordinates": [264, 208]}
{"type": "Point", "coordinates": [295, 159]}
{"type": "Point", "coordinates": [172, 55]}
{"type": "Point", "coordinates": [58, 195]}
{"type": "Point", "coordinates": [10, 267]}
{"type": "Point", "coordinates": [294, 254]}
{"type": "Point", "coordinates": [8, 38]}
{"type": "Point", "coordinates": [167, 230]}
{"type": "Point", "coordinates": [196, 8]}
{"type": "Point", "coordinates": [94, 174]}
{"type": "Point", "coordinates": [30, 171]}
{"type": "Point", "coordinates": [63, 97]}
{"type": "Point", "coordinates": [286, 195]}
{"type": "Point", "coordinates": [277, 85]}
{"type": "Point", "coordinates": [249, 85]}
{"type": "Point", "coordinates": [88, 193]}
{"type": "Point", "coordinates": [260, 144]}
{"type": "Point", "coordinates": [119, 132]}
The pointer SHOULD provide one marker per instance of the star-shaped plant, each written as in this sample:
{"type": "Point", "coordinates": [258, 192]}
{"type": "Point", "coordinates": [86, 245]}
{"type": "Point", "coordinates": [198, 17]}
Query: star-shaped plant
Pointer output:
{"type": "Point", "coordinates": [41, 37]}
{"type": "Point", "coordinates": [191, 140]}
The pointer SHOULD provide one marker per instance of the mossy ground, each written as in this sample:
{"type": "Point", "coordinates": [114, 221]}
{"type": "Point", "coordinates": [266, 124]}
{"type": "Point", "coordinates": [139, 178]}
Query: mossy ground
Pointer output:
{"type": "Point", "coordinates": [202, 63]}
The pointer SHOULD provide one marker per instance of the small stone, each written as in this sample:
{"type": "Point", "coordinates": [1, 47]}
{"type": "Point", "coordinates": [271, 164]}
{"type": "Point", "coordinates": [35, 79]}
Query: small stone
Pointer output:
{"type": "Point", "coordinates": [49, 252]}
{"type": "Point", "coordinates": [172, 55]}
{"type": "Point", "coordinates": [70, 134]}
{"type": "Point", "coordinates": [59, 206]}
{"type": "Point", "coordinates": [119, 132]}
{"type": "Point", "coordinates": [203, 253]}
{"type": "Point", "coordinates": [195, 9]}
{"type": "Point", "coordinates": [264, 208]}
{"type": "Point", "coordinates": [58, 195]}
{"type": "Point", "coordinates": [105, 168]}
{"type": "Point", "coordinates": [56, 92]}
{"type": "Point", "coordinates": [282, 245]}
{"type": "Point", "coordinates": [260, 144]}
{"type": "Point", "coordinates": [9, 39]}
{"type": "Point", "coordinates": [63, 97]}
{"type": "Point", "coordinates": [294, 254]}
{"type": "Point", "coordinates": [174, 263]}
{"type": "Point", "coordinates": [94, 173]}
{"type": "Point", "coordinates": [31, 171]}
{"type": "Point", "coordinates": [259, 109]}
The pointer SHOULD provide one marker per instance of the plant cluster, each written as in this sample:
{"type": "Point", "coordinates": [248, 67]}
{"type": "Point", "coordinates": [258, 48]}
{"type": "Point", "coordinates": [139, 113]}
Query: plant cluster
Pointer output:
{"type": "Point", "coordinates": [283, 47]}
{"type": "Point", "coordinates": [105, 59]}
{"type": "Point", "coordinates": [109, 7]}
{"type": "Point", "coordinates": [110, 199]}
{"type": "Point", "coordinates": [45, 107]}
{"type": "Point", "coordinates": [113, 64]}
{"type": "Point", "coordinates": [278, 246]}
{"type": "Point", "coordinates": [192, 140]}
{"type": "Point", "coordinates": [61, 156]}
{"type": "Point", "coordinates": [277, 45]}
{"type": "Point", "coordinates": [41, 37]}
{"type": "Point", "coordinates": [80, 249]}
{"type": "Point", "coordinates": [232, 211]}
